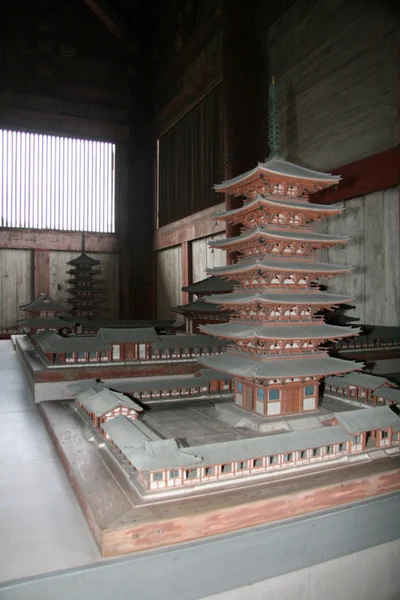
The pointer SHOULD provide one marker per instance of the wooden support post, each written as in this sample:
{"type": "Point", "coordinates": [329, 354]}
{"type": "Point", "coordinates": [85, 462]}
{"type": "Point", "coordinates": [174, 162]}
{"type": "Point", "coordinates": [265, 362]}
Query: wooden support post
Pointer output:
{"type": "Point", "coordinates": [186, 266]}
{"type": "Point", "coordinates": [41, 272]}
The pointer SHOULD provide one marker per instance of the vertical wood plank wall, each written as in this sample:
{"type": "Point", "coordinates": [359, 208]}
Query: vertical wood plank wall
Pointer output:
{"type": "Point", "coordinates": [372, 223]}
{"type": "Point", "coordinates": [205, 257]}
{"type": "Point", "coordinates": [169, 271]}
{"type": "Point", "coordinates": [335, 63]}
{"type": "Point", "coordinates": [16, 282]}
{"type": "Point", "coordinates": [169, 281]}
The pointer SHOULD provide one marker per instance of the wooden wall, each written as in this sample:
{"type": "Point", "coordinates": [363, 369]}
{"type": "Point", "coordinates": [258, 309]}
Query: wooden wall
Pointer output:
{"type": "Point", "coordinates": [336, 66]}
{"type": "Point", "coordinates": [204, 257]}
{"type": "Point", "coordinates": [372, 223]}
{"type": "Point", "coordinates": [169, 281]}
{"type": "Point", "coordinates": [17, 282]}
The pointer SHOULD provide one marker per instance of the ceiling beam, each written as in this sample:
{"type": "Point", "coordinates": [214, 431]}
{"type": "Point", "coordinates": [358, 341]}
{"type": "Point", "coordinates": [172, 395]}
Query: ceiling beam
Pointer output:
{"type": "Point", "coordinates": [110, 20]}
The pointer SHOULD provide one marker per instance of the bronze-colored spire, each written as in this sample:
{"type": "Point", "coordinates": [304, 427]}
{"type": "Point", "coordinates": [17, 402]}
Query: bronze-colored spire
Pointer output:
{"type": "Point", "coordinates": [274, 137]}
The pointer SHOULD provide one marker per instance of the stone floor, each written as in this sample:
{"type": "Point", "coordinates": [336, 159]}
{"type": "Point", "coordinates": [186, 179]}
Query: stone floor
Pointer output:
{"type": "Point", "coordinates": [41, 525]}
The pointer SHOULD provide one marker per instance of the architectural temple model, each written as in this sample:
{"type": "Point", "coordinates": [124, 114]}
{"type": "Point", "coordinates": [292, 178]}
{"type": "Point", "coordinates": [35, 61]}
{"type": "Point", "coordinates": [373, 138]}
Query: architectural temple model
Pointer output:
{"type": "Point", "coordinates": [274, 354]}
{"type": "Point", "coordinates": [238, 397]}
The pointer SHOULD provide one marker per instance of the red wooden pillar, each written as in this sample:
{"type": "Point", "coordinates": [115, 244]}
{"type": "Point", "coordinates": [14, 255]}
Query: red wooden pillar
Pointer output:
{"type": "Point", "coordinates": [41, 272]}
{"type": "Point", "coordinates": [242, 94]}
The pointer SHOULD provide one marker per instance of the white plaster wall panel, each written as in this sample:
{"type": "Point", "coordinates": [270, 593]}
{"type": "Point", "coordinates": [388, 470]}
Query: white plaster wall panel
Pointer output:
{"type": "Point", "coordinates": [336, 67]}
{"type": "Point", "coordinates": [109, 272]}
{"type": "Point", "coordinates": [372, 223]}
{"type": "Point", "coordinates": [169, 281]}
{"type": "Point", "coordinates": [204, 257]}
{"type": "Point", "coordinates": [16, 286]}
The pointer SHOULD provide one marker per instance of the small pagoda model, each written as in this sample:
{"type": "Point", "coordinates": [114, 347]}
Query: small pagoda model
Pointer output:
{"type": "Point", "coordinates": [44, 314]}
{"type": "Point", "coordinates": [275, 336]}
{"type": "Point", "coordinates": [198, 311]}
{"type": "Point", "coordinates": [86, 295]}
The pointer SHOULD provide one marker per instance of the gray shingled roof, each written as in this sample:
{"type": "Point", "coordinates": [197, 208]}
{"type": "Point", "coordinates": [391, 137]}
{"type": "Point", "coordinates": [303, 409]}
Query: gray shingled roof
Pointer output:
{"type": "Point", "coordinates": [127, 434]}
{"type": "Point", "coordinates": [167, 454]}
{"type": "Point", "coordinates": [213, 375]}
{"type": "Point", "coordinates": [83, 260]}
{"type": "Point", "coordinates": [49, 341]}
{"type": "Point", "coordinates": [280, 297]}
{"type": "Point", "coordinates": [388, 394]}
{"type": "Point", "coordinates": [261, 330]}
{"type": "Point", "coordinates": [209, 285]}
{"type": "Point", "coordinates": [101, 402]}
{"type": "Point", "coordinates": [369, 382]}
{"type": "Point", "coordinates": [298, 205]}
{"type": "Point", "coordinates": [271, 445]}
{"type": "Point", "coordinates": [279, 265]}
{"type": "Point", "coordinates": [169, 382]}
{"type": "Point", "coordinates": [161, 454]}
{"type": "Point", "coordinates": [44, 323]}
{"type": "Point", "coordinates": [278, 234]}
{"type": "Point", "coordinates": [279, 166]}
{"type": "Point", "coordinates": [199, 306]}
{"type": "Point", "coordinates": [119, 335]}
{"type": "Point", "coordinates": [242, 365]}
{"type": "Point", "coordinates": [168, 342]}
{"type": "Point", "coordinates": [367, 419]}
{"type": "Point", "coordinates": [44, 303]}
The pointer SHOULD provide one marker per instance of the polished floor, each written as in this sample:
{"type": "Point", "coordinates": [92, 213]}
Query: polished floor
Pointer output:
{"type": "Point", "coordinates": [42, 528]}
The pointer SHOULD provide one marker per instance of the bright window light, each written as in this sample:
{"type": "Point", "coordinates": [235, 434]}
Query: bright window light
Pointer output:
{"type": "Point", "coordinates": [49, 182]}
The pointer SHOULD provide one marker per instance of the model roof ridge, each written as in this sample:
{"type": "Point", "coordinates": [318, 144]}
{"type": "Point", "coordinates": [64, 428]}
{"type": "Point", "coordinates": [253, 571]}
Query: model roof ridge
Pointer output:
{"type": "Point", "coordinates": [246, 296]}
{"type": "Point", "coordinates": [264, 330]}
{"type": "Point", "coordinates": [238, 365]}
{"type": "Point", "coordinates": [209, 284]}
{"type": "Point", "coordinates": [283, 168]}
{"type": "Point", "coordinates": [367, 380]}
{"type": "Point", "coordinates": [281, 264]}
{"type": "Point", "coordinates": [83, 259]}
{"type": "Point", "coordinates": [110, 397]}
{"type": "Point", "coordinates": [281, 202]}
{"type": "Point", "coordinates": [289, 233]}
{"type": "Point", "coordinates": [44, 302]}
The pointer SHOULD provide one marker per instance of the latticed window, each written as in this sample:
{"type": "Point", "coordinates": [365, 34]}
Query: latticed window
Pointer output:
{"type": "Point", "coordinates": [52, 182]}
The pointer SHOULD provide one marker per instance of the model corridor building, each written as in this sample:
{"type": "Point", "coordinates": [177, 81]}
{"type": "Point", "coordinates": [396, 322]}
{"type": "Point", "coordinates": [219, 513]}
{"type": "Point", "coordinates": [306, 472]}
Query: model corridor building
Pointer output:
{"type": "Point", "coordinates": [276, 335]}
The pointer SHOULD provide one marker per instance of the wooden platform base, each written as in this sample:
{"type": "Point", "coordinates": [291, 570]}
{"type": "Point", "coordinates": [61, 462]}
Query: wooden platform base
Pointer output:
{"type": "Point", "coordinates": [122, 522]}
{"type": "Point", "coordinates": [53, 383]}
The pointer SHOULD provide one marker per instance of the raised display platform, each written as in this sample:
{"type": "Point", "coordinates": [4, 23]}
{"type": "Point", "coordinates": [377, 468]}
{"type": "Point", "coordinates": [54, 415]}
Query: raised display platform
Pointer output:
{"type": "Point", "coordinates": [123, 522]}
{"type": "Point", "coordinates": [53, 383]}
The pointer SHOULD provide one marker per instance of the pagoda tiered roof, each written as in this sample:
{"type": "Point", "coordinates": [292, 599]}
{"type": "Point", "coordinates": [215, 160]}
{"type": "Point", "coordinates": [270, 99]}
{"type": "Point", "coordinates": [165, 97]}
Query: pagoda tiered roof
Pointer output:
{"type": "Point", "coordinates": [241, 364]}
{"type": "Point", "coordinates": [308, 297]}
{"type": "Point", "coordinates": [83, 260]}
{"type": "Point", "coordinates": [209, 285]}
{"type": "Point", "coordinates": [276, 169]}
{"type": "Point", "coordinates": [277, 203]}
{"type": "Point", "coordinates": [198, 306]}
{"type": "Point", "coordinates": [262, 330]}
{"type": "Point", "coordinates": [279, 234]}
{"type": "Point", "coordinates": [279, 265]}
{"type": "Point", "coordinates": [44, 303]}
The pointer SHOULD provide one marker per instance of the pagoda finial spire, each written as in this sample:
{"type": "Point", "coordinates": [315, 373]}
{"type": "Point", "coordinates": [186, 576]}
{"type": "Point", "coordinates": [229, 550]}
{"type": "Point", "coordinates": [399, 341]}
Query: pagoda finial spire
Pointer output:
{"type": "Point", "coordinates": [83, 242]}
{"type": "Point", "coordinates": [274, 138]}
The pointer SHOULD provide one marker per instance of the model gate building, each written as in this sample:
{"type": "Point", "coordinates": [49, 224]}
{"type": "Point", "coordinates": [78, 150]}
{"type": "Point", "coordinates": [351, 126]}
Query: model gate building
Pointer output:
{"type": "Point", "coordinates": [275, 335]}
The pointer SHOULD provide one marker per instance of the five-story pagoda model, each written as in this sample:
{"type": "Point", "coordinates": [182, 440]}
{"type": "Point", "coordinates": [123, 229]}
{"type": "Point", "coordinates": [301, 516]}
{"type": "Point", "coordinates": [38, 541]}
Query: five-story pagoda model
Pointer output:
{"type": "Point", "coordinates": [84, 285]}
{"type": "Point", "coordinates": [275, 353]}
